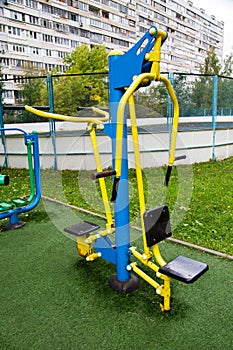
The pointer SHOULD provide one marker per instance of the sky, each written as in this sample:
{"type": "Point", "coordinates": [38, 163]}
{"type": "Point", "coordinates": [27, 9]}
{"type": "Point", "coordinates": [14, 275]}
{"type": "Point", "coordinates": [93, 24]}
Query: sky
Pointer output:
{"type": "Point", "coordinates": [223, 11]}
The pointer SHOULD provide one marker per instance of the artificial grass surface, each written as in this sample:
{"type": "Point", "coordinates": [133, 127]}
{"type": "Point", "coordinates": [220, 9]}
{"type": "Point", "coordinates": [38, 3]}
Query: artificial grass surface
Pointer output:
{"type": "Point", "coordinates": [53, 299]}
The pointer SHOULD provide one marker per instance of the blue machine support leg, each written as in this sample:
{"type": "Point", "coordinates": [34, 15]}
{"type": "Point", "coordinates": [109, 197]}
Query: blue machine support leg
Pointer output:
{"type": "Point", "coordinates": [122, 281]}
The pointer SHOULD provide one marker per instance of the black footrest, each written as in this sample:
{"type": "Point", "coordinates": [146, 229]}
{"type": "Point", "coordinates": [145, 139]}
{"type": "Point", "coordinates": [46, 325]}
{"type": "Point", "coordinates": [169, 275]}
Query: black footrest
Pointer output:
{"type": "Point", "coordinates": [82, 228]}
{"type": "Point", "coordinates": [184, 269]}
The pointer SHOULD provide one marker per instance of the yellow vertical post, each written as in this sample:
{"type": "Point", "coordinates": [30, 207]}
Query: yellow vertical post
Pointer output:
{"type": "Point", "coordinates": [175, 119]}
{"type": "Point", "coordinates": [138, 170]}
{"type": "Point", "coordinates": [101, 180]}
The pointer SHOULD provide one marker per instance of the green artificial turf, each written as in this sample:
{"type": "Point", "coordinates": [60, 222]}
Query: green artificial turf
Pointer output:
{"type": "Point", "coordinates": [51, 298]}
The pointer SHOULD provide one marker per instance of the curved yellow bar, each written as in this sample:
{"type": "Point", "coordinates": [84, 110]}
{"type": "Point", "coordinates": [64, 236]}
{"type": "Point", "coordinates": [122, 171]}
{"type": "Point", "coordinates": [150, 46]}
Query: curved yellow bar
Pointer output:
{"type": "Point", "coordinates": [138, 166]}
{"type": "Point", "coordinates": [158, 255]}
{"type": "Point", "coordinates": [121, 110]}
{"type": "Point", "coordinates": [175, 119]}
{"type": "Point", "coordinates": [70, 118]}
{"type": "Point", "coordinates": [120, 116]}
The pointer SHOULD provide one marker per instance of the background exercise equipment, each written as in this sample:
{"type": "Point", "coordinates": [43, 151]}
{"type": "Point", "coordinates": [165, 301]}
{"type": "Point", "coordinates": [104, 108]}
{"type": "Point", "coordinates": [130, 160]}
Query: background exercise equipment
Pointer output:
{"type": "Point", "coordinates": [11, 209]}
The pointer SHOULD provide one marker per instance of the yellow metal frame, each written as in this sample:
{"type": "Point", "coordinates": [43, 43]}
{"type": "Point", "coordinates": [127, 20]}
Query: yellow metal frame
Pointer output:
{"type": "Point", "coordinates": [92, 123]}
{"type": "Point", "coordinates": [84, 246]}
{"type": "Point", "coordinates": [69, 118]}
{"type": "Point", "coordinates": [146, 257]}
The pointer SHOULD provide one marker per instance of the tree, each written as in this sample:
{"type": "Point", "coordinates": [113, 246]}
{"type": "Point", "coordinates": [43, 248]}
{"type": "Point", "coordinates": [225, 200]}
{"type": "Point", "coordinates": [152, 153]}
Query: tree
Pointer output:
{"type": "Point", "coordinates": [183, 89]}
{"type": "Point", "coordinates": [70, 91]}
{"type": "Point", "coordinates": [225, 86]}
{"type": "Point", "coordinates": [151, 101]}
{"type": "Point", "coordinates": [87, 89]}
{"type": "Point", "coordinates": [33, 92]}
{"type": "Point", "coordinates": [202, 89]}
{"type": "Point", "coordinates": [227, 69]}
{"type": "Point", "coordinates": [211, 64]}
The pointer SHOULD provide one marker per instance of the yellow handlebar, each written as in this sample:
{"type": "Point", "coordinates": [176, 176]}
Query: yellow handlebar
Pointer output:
{"type": "Point", "coordinates": [154, 74]}
{"type": "Point", "coordinates": [43, 114]}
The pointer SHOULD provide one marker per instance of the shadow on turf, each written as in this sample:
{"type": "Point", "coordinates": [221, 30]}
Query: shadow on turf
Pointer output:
{"type": "Point", "coordinates": [144, 302]}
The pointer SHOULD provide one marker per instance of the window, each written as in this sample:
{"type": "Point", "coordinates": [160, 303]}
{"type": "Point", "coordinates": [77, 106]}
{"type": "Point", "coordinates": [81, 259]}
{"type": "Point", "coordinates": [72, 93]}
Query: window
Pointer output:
{"type": "Point", "coordinates": [62, 54]}
{"type": "Point", "coordinates": [131, 12]}
{"type": "Point", "coordinates": [95, 23]}
{"type": "Point", "coordinates": [131, 23]}
{"type": "Point", "coordinates": [82, 6]}
{"type": "Point", "coordinates": [2, 28]}
{"type": "Point", "coordinates": [61, 41]}
{"type": "Point", "coordinates": [20, 2]}
{"type": "Point", "coordinates": [3, 47]}
{"type": "Point", "coordinates": [74, 44]}
{"type": "Point", "coordinates": [106, 39]}
{"type": "Point", "coordinates": [120, 42]}
{"type": "Point", "coordinates": [5, 62]}
{"type": "Point", "coordinates": [48, 52]}
{"type": "Point", "coordinates": [35, 50]}
{"type": "Point", "coordinates": [113, 4]}
{"type": "Point", "coordinates": [73, 3]}
{"type": "Point", "coordinates": [33, 35]}
{"type": "Point", "coordinates": [14, 31]}
{"type": "Point", "coordinates": [96, 37]}
{"type": "Point", "coordinates": [123, 9]}
{"type": "Point", "coordinates": [84, 33]}
{"type": "Point", "coordinates": [45, 23]}
{"type": "Point", "coordinates": [105, 14]}
{"type": "Point", "coordinates": [16, 15]}
{"type": "Point", "coordinates": [46, 8]}
{"type": "Point", "coordinates": [107, 26]}
{"type": "Point", "coordinates": [31, 3]}
{"type": "Point", "coordinates": [18, 48]}
{"type": "Point", "coordinates": [48, 38]}
{"type": "Point", "coordinates": [94, 11]}
{"type": "Point", "coordinates": [73, 17]}
{"type": "Point", "coordinates": [74, 30]}
{"type": "Point", "coordinates": [142, 29]}
{"type": "Point", "coordinates": [7, 94]}
{"type": "Point", "coordinates": [33, 20]}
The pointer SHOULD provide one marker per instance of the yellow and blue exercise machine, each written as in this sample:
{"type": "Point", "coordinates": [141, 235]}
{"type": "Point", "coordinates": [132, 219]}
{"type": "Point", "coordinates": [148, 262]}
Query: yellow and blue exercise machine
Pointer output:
{"type": "Point", "coordinates": [128, 72]}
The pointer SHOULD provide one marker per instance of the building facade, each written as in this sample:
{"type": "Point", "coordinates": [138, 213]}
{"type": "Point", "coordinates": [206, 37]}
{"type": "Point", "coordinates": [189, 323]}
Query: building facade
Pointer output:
{"type": "Point", "coordinates": [38, 34]}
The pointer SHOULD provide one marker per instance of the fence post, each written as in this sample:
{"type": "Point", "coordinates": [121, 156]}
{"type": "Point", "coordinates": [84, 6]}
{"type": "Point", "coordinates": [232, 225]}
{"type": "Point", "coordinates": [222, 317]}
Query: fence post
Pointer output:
{"type": "Point", "coordinates": [170, 108]}
{"type": "Point", "coordinates": [3, 137]}
{"type": "Point", "coordinates": [52, 123]}
{"type": "Point", "coordinates": [214, 112]}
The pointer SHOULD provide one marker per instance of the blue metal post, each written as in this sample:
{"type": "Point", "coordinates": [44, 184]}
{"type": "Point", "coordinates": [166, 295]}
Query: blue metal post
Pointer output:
{"type": "Point", "coordinates": [52, 124]}
{"type": "Point", "coordinates": [122, 70]}
{"type": "Point", "coordinates": [3, 136]}
{"type": "Point", "coordinates": [121, 207]}
{"type": "Point", "coordinates": [214, 112]}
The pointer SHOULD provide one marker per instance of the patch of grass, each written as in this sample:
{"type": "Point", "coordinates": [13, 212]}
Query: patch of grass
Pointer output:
{"type": "Point", "coordinates": [208, 220]}
{"type": "Point", "coordinates": [199, 196]}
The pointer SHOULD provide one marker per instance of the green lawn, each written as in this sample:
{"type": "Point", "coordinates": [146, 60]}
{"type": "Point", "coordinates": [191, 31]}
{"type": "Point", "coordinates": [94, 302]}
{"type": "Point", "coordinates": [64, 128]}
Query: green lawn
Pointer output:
{"type": "Point", "coordinates": [199, 196]}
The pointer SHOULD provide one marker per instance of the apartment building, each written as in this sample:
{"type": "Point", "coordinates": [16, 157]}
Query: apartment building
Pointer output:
{"type": "Point", "coordinates": [39, 34]}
